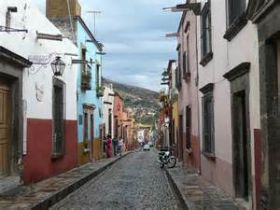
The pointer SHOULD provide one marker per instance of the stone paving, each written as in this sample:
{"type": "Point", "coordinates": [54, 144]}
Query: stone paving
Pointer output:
{"type": "Point", "coordinates": [199, 194]}
{"type": "Point", "coordinates": [9, 183]}
{"type": "Point", "coordinates": [135, 182]}
{"type": "Point", "coordinates": [45, 193]}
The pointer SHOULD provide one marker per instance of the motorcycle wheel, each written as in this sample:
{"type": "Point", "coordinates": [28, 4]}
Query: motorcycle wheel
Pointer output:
{"type": "Point", "coordinates": [171, 162]}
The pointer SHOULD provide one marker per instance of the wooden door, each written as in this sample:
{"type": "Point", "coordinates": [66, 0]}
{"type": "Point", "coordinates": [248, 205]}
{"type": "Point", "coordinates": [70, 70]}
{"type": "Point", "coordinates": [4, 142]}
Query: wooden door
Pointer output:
{"type": "Point", "coordinates": [5, 125]}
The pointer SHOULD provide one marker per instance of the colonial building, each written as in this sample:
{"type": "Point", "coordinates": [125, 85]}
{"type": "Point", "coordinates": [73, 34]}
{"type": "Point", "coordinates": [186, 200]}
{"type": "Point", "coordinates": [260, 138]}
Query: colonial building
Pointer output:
{"type": "Point", "coordinates": [38, 80]}
{"type": "Point", "coordinates": [187, 81]}
{"type": "Point", "coordinates": [89, 85]}
{"type": "Point", "coordinates": [266, 16]}
{"type": "Point", "coordinates": [173, 98]}
{"type": "Point", "coordinates": [218, 80]}
{"type": "Point", "coordinates": [118, 114]}
{"type": "Point", "coordinates": [229, 98]}
{"type": "Point", "coordinates": [108, 109]}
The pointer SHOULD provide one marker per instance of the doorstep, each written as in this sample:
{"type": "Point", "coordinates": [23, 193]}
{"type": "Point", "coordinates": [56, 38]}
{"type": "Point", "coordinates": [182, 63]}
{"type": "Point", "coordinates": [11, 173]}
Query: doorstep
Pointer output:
{"type": "Point", "coordinates": [195, 193]}
{"type": "Point", "coordinates": [44, 194]}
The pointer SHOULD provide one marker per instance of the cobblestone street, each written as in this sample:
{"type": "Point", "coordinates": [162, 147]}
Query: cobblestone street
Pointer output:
{"type": "Point", "coordinates": [135, 182]}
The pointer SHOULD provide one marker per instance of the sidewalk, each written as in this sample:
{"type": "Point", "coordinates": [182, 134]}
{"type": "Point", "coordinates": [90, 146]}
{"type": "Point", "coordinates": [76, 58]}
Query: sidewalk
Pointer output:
{"type": "Point", "coordinates": [46, 193]}
{"type": "Point", "coordinates": [197, 194]}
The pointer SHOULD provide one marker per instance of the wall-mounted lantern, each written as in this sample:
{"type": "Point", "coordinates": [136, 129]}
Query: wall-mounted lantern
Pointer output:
{"type": "Point", "coordinates": [58, 66]}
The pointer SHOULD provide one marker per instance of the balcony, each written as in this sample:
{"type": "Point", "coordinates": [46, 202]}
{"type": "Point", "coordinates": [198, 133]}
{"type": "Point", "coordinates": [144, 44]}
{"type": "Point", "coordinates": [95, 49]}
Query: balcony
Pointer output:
{"type": "Point", "coordinates": [86, 78]}
{"type": "Point", "coordinates": [100, 91]}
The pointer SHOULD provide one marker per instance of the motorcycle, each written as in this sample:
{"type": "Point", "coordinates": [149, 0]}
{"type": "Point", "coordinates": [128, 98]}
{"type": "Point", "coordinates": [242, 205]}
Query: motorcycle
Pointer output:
{"type": "Point", "coordinates": [166, 158]}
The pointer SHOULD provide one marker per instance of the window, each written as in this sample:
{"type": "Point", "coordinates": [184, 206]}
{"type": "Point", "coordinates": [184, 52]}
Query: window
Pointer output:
{"type": "Point", "coordinates": [58, 117]}
{"type": "Point", "coordinates": [188, 127]}
{"type": "Point", "coordinates": [206, 44]}
{"type": "Point", "coordinates": [110, 121]}
{"type": "Point", "coordinates": [86, 72]}
{"type": "Point", "coordinates": [186, 65]}
{"type": "Point", "coordinates": [235, 9]}
{"type": "Point", "coordinates": [97, 75]}
{"type": "Point", "coordinates": [179, 69]}
{"type": "Point", "coordinates": [84, 59]}
{"type": "Point", "coordinates": [86, 129]}
{"type": "Point", "coordinates": [186, 62]}
{"type": "Point", "coordinates": [236, 18]}
{"type": "Point", "coordinates": [208, 119]}
{"type": "Point", "coordinates": [208, 124]}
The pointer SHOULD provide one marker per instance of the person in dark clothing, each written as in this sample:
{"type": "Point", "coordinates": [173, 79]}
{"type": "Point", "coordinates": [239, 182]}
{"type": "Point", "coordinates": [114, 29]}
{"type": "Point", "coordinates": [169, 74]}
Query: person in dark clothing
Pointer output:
{"type": "Point", "coordinates": [115, 145]}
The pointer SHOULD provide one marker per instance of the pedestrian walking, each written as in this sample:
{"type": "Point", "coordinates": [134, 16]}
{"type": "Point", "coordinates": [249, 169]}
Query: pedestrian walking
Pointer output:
{"type": "Point", "coordinates": [115, 145]}
{"type": "Point", "coordinates": [108, 146]}
{"type": "Point", "coordinates": [120, 145]}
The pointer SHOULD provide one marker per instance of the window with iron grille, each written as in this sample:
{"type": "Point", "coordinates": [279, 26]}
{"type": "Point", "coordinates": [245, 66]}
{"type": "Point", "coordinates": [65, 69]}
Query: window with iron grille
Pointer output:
{"type": "Point", "coordinates": [206, 44]}
{"type": "Point", "coordinates": [188, 127]}
{"type": "Point", "coordinates": [208, 123]}
{"type": "Point", "coordinates": [235, 8]}
{"type": "Point", "coordinates": [58, 117]}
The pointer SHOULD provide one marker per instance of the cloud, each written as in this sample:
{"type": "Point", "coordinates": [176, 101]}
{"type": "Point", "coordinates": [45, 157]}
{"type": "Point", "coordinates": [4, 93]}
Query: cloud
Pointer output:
{"type": "Point", "coordinates": [133, 32]}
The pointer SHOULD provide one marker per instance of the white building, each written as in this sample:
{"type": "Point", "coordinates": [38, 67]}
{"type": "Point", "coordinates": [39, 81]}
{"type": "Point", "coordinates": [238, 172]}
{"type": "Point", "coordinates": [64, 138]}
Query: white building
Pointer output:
{"type": "Point", "coordinates": [108, 112]}
{"type": "Point", "coordinates": [229, 96]}
{"type": "Point", "coordinates": [42, 106]}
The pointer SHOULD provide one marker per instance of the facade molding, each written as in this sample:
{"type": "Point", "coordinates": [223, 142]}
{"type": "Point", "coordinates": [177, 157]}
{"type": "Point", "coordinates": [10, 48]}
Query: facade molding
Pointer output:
{"type": "Point", "coordinates": [238, 71]}
{"type": "Point", "coordinates": [13, 57]}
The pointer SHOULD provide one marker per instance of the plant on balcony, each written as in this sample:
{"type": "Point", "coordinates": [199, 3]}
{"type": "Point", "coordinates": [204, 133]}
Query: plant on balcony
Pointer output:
{"type": "Point", "coordinates": [86, 80]}
{"type": "Point", "coordinates": [100, 91]}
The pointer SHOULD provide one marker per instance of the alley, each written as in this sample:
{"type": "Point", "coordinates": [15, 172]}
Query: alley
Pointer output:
{"type": "Point", "coordinates": [135, 182]}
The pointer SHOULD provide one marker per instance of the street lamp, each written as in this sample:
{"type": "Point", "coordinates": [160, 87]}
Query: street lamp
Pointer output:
{"type": "Point", "coordinates": [58, 66]}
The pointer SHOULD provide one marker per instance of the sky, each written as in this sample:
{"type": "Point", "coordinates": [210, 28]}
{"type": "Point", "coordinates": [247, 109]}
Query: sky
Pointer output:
{"type": "Point", "coordinates": [133, 34]}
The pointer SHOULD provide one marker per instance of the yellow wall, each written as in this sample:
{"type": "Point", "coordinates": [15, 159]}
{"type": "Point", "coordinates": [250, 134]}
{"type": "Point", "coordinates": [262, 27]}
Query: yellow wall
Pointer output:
{"type": "Point", "coordinates": [97, 149]}
{"type": "Point", "coordinates": [175, 115]}
{"type": "Point", "coordinates": [84, 157]}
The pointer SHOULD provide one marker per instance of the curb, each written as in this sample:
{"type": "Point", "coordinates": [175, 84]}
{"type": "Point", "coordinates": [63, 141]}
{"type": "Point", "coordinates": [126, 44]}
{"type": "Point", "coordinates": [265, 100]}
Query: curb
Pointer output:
{"type": "Point", "coordinates": [48, 202]}
{"type": "Point", "coordinates": [176, 189]}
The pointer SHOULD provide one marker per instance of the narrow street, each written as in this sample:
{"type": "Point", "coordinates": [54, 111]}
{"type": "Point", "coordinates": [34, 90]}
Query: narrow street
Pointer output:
{"type": "Point", "coordinates": [135, 182]}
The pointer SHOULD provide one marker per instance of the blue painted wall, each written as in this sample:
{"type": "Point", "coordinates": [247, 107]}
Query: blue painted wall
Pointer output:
{"type": "Point", "coordinates": [88, 96]}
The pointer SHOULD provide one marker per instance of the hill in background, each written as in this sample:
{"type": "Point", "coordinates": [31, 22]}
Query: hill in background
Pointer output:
{"type": "Point", "coordinates": [142, 102]}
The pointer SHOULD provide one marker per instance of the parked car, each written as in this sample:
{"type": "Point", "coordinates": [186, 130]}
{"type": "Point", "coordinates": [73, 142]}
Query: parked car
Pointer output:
{"type": "Point", "coordinates": [146, 147]}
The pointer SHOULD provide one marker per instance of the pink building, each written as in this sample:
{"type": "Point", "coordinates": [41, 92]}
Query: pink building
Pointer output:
{"type": "Point", "coordinates": [187, 78]}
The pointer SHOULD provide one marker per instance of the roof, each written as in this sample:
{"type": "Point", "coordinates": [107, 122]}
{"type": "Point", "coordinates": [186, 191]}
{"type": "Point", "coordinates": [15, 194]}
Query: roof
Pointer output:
{"type": "Point", "coordinates": [97, 44]}
{"type": "Point", "coordinates": [117, 94]}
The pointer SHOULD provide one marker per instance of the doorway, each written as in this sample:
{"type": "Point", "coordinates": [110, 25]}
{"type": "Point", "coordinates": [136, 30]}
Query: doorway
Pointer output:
{"type": "Point", "coordinates": [180, 140]}
{"type": "Point", "coordinates": [241, 146]}
{"type": "Point", "coordinates": [5, 126]}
